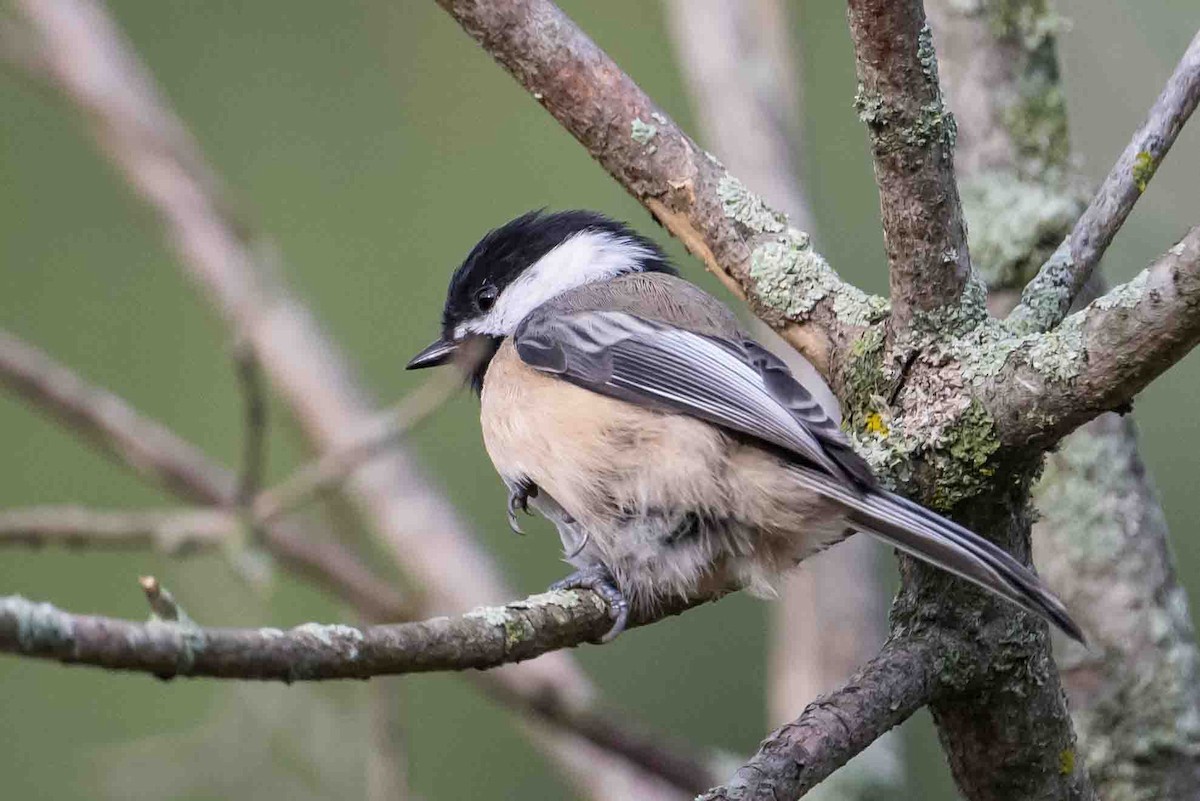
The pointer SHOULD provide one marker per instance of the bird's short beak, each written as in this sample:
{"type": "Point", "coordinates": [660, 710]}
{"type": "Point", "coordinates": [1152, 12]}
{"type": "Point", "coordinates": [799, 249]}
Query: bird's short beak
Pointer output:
{"type": "Point", "coordinates": [438, 353]}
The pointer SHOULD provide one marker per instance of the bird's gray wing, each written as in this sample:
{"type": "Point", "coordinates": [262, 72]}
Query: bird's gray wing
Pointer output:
{"type": "Point", "coordinates": [733, 383]}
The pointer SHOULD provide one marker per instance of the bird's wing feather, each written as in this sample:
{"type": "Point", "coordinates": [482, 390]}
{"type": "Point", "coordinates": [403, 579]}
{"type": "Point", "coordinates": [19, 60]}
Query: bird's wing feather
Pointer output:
{"type": "Point", "coordinates": [733, 383]}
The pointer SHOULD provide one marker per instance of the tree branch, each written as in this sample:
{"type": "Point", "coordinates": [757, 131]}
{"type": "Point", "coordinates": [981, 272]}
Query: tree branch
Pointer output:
{"type": "Point", "coordinates": [832, 729]}
{"type": "Point", "coordinates": [332, 468]}
{"type": "Point", "coordinates": [1099, 358]}
{"type": "Point", "coordinates": [485, 638]}
{"type": "Point", "coordinates": [1049, 295]}
{"type": "Point", "coordinates": [912, 140]}
{"type": "Point", "coordinates": [174, 532]}
{"type": "Point", "coordinates": [732, 231]}
{"type": "Point", "coordinates": [158, 455]}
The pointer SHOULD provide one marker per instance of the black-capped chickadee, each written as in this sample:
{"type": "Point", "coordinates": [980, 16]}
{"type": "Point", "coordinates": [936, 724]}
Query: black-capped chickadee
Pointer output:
{"type": "Point", "coordinates": [675, 454]}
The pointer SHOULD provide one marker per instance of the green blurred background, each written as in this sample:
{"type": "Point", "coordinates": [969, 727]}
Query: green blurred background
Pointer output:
{"type": "Point", "coordinates": [375, 142]}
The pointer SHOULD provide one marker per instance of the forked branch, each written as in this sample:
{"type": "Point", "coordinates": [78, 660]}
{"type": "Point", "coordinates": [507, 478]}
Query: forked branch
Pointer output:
{"type": "Point", "coordinates": [1048, 297]}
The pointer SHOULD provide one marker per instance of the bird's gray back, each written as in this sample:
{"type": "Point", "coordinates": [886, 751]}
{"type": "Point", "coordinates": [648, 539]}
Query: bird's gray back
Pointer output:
{"type": "Point", "coordinates": [652, 296]}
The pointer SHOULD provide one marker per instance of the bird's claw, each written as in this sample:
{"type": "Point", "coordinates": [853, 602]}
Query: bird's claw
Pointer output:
{"type": "Point", "coordinates": [518, 498]}
{"type": "Point", "coordinates": [600, 581]}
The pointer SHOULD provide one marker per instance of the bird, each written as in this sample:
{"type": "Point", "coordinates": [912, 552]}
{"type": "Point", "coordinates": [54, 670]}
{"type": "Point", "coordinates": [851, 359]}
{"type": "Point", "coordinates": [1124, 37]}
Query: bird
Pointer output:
{"type": "Point", "coordinates": [675, 455]}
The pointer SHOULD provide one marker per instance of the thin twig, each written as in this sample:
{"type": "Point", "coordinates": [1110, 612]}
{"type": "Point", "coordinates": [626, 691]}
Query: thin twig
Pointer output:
{"type": "Point", "coordinates": [254, 429]}
{"type": "Point", "coordinates": [1048, 297]}
{"type": "Point", "coordinates": [174, 532]}
{"type": "Point", "coordinates": [329, 470]}
{"type": "Point", "coordinates": [158, 455]}
{"type": "Point", "coordinates": [162, 602]}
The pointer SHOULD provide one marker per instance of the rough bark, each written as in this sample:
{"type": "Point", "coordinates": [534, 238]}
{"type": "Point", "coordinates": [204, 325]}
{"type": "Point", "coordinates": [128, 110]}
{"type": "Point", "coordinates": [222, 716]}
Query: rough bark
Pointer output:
{"type": "Point", "coordinates": [1100, 357]}
{"type": "Point", "coordinates": [912, 141]}
{"type": "Point", "coordinates": [1101, 539]}
{"type": "Point", "coordinates": [1048, 297]}
{"type": "Point", "coordinates": [796, 757]}
{"type": "Point", "coordinates": [1006, 732]}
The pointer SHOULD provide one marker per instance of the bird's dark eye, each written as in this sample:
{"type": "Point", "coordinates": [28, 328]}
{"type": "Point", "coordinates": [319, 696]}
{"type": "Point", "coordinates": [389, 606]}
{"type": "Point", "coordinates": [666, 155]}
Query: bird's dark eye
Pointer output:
{"type": "Point", "coordinates": [485, 298]}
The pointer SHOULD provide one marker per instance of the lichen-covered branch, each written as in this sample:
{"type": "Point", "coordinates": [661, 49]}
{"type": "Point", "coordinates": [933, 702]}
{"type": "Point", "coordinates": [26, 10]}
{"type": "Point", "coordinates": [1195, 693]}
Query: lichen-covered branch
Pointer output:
{"type": "Point", "coordinates": [730, 229]}
{"type": "Point", "coordinates": [1100, 357]}
{"type": "Point", "coordinates": [1048, 297]}
{"type": "Point", "coordinates": [912, 137]}
{"type": "Point", "coordinates": [796, 757]}
{"type": "Point", "coordinates": [485, 638]}
{"type": "Point", "coordinates": [999, 64]}
{"type": "Point", "coordinates": [176, 531]}
{"type": "Point", "coordinates": [1135, 691]}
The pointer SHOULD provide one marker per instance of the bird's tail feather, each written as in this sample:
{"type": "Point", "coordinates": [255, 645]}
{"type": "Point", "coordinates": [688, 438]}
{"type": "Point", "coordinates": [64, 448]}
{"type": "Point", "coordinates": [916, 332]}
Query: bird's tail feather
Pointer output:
{"type": "Point", "coordinates": [932, 538]}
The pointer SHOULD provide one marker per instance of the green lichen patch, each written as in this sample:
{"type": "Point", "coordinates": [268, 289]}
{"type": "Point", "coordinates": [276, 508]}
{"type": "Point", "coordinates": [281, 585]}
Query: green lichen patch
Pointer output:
{"type": "Point", "coordinates": [790, 278]}
{"type": "Point", "coordinates": [516, 627]}
{"type": "Point", "coordinates": [926, 54]}
{"type": "Point", "coordinates": [970, 444]}
{"type": "Point", "coordinates": [1014, 225]}
{"type": "Point", "coordinates": [39, 625]}
{"type": "Point", "coordinates": [748, 209]}
{"type": "Point", "coordinates": [1127, 295]}
{"type": "Point", "coordinates": [892, 129]}
{"type": "Point", "coordinates": [642, 132]}
{"type": "Point", "coordinates": [1143, 169]}
{"type": "Point", "coordinates": [334, 635]}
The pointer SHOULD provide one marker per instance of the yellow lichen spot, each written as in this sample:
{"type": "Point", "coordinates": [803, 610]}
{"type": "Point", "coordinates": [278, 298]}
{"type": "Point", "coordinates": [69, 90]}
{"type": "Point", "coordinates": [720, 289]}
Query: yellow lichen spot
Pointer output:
{"type": "Point", "coordinates": [1066, 761]}
{"type": "Point", "coordinates": [875, 424]}
{"type": "Point", "coordinates": [1143, 169]}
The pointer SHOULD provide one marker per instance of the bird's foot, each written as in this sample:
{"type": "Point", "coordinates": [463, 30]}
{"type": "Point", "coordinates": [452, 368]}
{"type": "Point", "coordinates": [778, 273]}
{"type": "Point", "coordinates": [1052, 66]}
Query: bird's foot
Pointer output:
{"type": "Point", "coordinates": [599, 580]}
{"type": "Point", "coordinates": [518, 498]}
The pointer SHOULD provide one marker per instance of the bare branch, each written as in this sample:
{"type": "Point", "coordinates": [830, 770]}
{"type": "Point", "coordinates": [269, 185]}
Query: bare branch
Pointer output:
{"type": "Point", "coordinates": [1049, 295]}
{"type": "Point", "coordinates": [732, 231]}
{"type": "Point", "coordinates": [332, 468]}
{"type": "Point", "coordinates": [912, 140]}
{"type": "Point", "coordinates": [1099, 358]}
{"type": "Point", "coordinates": [174, 532]}
{"type": "Point", "coordinates": [835, 727]}
{"type": "Point", "coordinates": [485, 638]}
{"type": "Point", "coordinates": [158, 455]}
